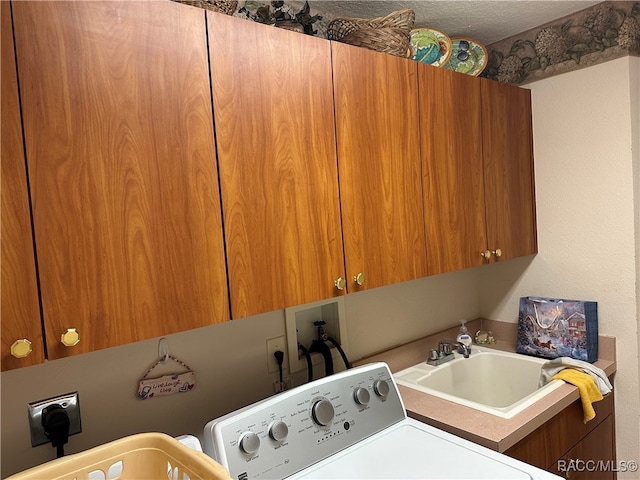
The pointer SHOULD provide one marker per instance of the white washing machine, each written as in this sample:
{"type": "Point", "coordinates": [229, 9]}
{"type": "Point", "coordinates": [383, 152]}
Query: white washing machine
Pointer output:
{"type": "Point", "coordinates": [351, 425]}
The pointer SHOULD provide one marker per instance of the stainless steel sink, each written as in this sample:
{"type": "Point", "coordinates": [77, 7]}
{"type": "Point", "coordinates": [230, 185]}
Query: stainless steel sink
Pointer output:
{"type": "Point", "coordinates": [493, 381]}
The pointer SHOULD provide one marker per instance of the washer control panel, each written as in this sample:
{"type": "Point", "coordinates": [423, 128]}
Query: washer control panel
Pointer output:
{"type": "Point", "coordinates": [288, 432]}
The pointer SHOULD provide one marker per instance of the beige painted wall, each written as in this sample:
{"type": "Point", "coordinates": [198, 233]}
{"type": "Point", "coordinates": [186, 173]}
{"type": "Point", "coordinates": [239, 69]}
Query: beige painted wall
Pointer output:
{"type": "Point", "coordinates": [586, 137]}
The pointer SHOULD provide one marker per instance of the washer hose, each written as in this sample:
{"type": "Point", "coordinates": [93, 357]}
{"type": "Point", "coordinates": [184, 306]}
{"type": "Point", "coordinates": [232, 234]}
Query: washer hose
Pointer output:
{"type": "Point", "coordinates": [347, 364]}
{"type": "Point", "coordinates": [320, 347]}
{"type": "Point", "coordinates": [307, 355]}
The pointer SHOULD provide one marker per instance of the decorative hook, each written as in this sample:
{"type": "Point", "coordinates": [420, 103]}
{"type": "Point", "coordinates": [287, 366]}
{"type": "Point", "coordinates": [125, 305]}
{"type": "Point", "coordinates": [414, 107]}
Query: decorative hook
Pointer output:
{"type": "Point", "coordinates": [163, 350]}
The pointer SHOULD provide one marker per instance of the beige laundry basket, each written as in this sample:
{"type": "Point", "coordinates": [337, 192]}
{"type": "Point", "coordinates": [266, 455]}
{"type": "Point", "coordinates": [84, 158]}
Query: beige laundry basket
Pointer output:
{"type": "Point", "coordinates": [143, 456]}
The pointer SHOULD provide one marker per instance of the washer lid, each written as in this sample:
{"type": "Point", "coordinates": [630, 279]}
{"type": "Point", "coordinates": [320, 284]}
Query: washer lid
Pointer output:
{"type": "Point", "coordinates": [410, 451]}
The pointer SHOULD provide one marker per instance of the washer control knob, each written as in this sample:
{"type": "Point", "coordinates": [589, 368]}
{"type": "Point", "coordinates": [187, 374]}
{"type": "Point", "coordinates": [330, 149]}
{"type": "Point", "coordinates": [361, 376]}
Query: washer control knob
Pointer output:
{"type": "Point", "coordinates": [249, 443]}
{"type": "Point", "coordinates": [278, 431]}
{"type": "Point", "coordinates": [381, 387]}
{"type": "Point", "coordinates": [322, 412]}
{"type": "Point", "coordinates": [361, 396]}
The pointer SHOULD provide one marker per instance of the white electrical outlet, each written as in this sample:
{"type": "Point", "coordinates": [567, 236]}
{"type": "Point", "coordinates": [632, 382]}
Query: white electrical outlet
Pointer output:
{"type": "Point", "coordinates": [273, 345]}
{"type": "Point", "coordinates": [301, 329]}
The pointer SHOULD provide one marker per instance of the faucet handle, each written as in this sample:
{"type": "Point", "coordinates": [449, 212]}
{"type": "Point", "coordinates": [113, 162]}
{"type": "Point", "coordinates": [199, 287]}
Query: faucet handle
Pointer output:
{"type": "Point", "coordinates": [433, 354]}
{"type": "Point", "coordinates": [444, 347]}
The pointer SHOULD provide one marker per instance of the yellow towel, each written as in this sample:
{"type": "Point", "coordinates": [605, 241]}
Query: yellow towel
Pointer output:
{"type": "Point", "coordinates": [589, 392]}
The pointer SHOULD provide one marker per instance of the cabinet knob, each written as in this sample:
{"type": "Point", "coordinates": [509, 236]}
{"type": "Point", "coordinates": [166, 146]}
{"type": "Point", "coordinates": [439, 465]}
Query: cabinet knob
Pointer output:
{"type": "Point", "coordinates": [70, 338]}
{"type": "Point", "coordinates": [340, 283]}
{"type": "Point", "coordinates": [497, 252]}
{"type": "Point", "coordinates": [359, 279]}
{"type": "Point", "coordinates": [21, 348]}
{"type": "Point", "coordinates": [486, 254]}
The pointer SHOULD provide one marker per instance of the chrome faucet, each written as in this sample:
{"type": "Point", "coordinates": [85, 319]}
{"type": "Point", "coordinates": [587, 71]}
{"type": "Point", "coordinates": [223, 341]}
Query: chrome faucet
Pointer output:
{"type": "Point", "coordinates": [444, 353]}
{"type": "Point", "coordinates": [466, 349]}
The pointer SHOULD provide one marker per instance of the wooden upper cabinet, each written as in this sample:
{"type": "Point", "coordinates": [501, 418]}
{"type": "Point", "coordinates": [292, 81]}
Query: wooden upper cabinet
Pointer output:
{"type": "Point", "coordinates": [20, 305]}
{"type": "Point", "coordinates": [274, 121]}
{"type": "Point", "coordinates": [378, 138]}
{"type": "Point", "coordinates": [119, 140]}
{"type": "Point", "coordinates": [508, 169]}
{"type": "Point", "coordinates": [477, 151]}
{"type": "Point", "coordinates": [454, 198]}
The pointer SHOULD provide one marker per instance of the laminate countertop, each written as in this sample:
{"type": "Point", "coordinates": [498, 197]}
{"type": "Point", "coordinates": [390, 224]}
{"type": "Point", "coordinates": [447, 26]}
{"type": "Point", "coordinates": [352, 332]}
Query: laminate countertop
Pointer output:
{"type": "Point", "coordinates": [483, 428]}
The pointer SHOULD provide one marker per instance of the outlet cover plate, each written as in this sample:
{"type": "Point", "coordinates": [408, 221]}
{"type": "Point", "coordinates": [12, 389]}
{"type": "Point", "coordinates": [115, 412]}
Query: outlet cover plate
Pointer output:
{"type": "Point", "coordinates": [300, 329]}
{"type": "Point", "coordinates": [70, 402]}
{"type": "Point", "coordinates": [273, 345]}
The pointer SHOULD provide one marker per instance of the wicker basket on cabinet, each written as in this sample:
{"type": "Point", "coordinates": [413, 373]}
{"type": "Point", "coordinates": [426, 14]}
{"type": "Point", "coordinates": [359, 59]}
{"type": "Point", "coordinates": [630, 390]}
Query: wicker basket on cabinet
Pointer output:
{"type": "Point", "coordinates": [227, 7]}
{"type": "Point", "coordinates": [390, 34]}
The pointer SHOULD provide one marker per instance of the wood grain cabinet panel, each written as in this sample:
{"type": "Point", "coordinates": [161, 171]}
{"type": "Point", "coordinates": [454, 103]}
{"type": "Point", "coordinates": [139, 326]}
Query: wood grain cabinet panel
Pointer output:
{"type": "Point", "coordinates": [478, 170]}
{"type": "Point", "coordinates": [119, 142]}
{"type": "Point", "coordinates": [564, 444]}
{"type": "Point", "coordinates": [275, 133]}
{"type": "Point", "coordinates": [378, 135]}
{"type": "Point", "coordinates": [20, 303]}
{"type": "Point", "coordinates": [591, 459]}
{"type": "Point", "coordinates": [119, 100]}
{"type": "Point", "coordinates": [507, 146]}
{"type": "Point", "coordinates": [451, 139]}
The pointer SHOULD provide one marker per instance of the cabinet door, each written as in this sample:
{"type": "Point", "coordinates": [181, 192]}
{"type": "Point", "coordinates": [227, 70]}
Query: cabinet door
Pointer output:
{"type": "Point", "coordinates": [273, 109]}
{"type": "Point", "coordinates": [565, 437]}
{"type": "Point", "coordinates": [591, 459]}
{"type": "Point", "coordinates": [119, 141]}
{"type": "Point", "coordinates": [451, 149]}
{"type": "Point", "coordinates": [376, 97]}
{"type": "Point", "coordinates": [20, 306]}
{"type": "Point", "coordinates": [508, 169]}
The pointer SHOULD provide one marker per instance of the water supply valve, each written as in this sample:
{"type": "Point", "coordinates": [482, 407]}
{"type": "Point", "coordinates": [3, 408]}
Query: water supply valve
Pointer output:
{"type": "Point", "coordinates": [321, 333]}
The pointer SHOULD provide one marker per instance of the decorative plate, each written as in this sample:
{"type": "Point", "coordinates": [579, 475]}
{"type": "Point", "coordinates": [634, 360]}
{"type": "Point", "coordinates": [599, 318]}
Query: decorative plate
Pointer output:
{"type": "Point", "coordinates": [467, 56]}
{"type": "Point", "coordinates": [430, 46]}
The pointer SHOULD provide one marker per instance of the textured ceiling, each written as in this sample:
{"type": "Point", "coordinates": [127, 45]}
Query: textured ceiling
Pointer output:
{"type": "Point", "coordinates": [485, 21]}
